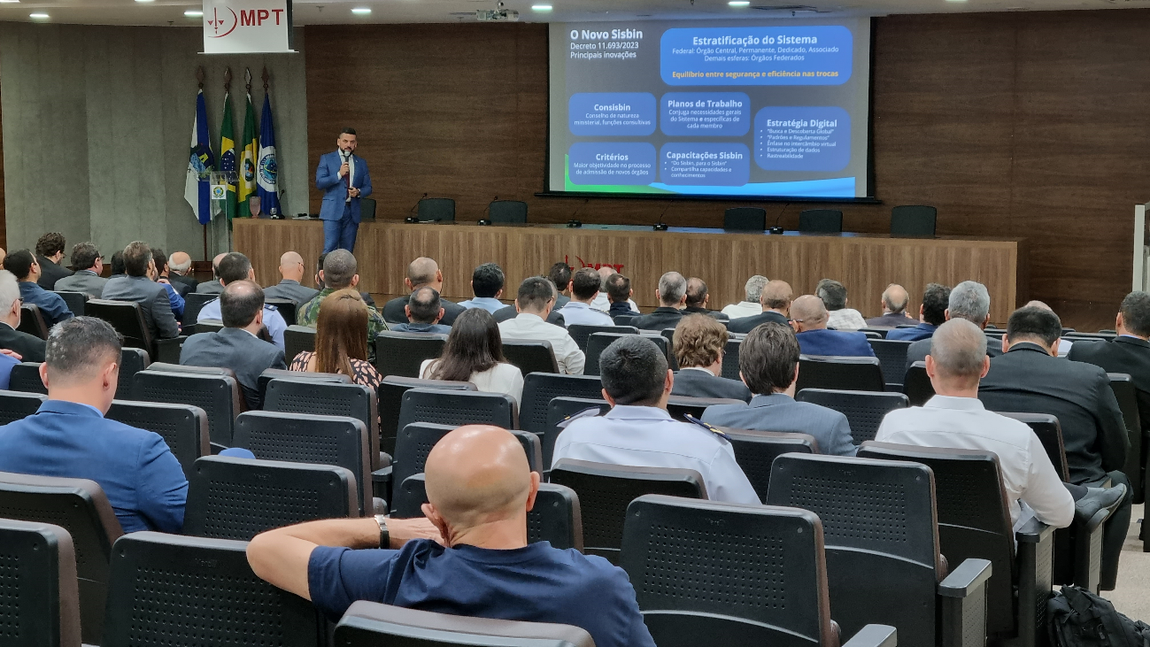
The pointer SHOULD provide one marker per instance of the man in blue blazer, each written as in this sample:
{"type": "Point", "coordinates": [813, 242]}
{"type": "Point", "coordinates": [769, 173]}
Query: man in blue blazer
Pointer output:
{"type": "Point", "coordinates": [343, 178]}
{"type": "Point", "coordinates": [769, 365]}
{"type": "Point", "coordinates": [69, 436]}
{"type": "Point", "coordinates": [809, 319]}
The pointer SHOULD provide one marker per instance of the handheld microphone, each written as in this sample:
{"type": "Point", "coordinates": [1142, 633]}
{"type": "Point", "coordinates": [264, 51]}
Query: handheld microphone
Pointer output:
{"type": "Point", "coordinates": [661, 226]}
{"type": "Point", "coordinates": [572, 222]}
{"type": "Point", "coordinates": [776, 229]}
{"type": "Point", "coordinates": [411, 218]}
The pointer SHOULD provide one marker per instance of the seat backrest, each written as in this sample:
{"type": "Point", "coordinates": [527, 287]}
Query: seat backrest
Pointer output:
{"type": "Point", "coordinates": [507, 211]}
{"type": "Point", "coordinates": [540, 388]}
{"type": "Point", "coordinates": [756, 451]}
{"type": "Point", "coordinates": [25, 377]}
{"type": "Point", "coordinates": [916, 385]}
{"type": "Point", "coordinates": [368, 624]}
{"type": "Point", "coordinates": [194, 302]}
{"type": "Point", "coordinates": [218, 395]}
{"type": "Point", "coordinates": [166, 586]}
{"type": "Point", "coordinates": [680, 406]}
{"type": "Point", "coordinates": [722, 560]}
{"type": "Point", "coordinates": [745, 219]}
{"type": "Point", "coordinates": [605, 491]}
{"type": "Point", "coordinates": [306, 438]}
{"type": "Point", "coordinates": [601, 340]}
{"type": "Point", "coordinates": [32, 322]}
{"type": "Point", "coordinates": [127, 318]}
{"type": "Point", "coordinates": [458, 408]}
{"type": "Point", "coordinates": [581, 332]}
{"type": "Point", "coordinates": [559, 410]}
{"type": "Point", "coordinates": [416, 439]}
{"type": "Point", "coordinates": [1049, 432]}
{"type": "Point", "coordinates": [74, 300]}
{"type": "Point", "coordinates": [367, 209]}
{"type": "Point", "coordinates": [297, 339]}
{"type": "Point", "coordinates": [437, 209]}
{"type": "Point", "coordinates": [731, 359]}
{"type": "Point", "coordinates": [864, 409]}
{"type": "Point", "coordinates": [80, 507]}
{"type": "Point", "coordinates": [209, 325]}
{"type": "Point", "coordinates": [913, 220]}
{"type": "Point", "coordinates": [891, 354]}
{"type": "Point", "coordinates": [286, 307]}
{"type": "Point", "coordinates": [391, 390]}
{"type": "Point", "coordinates": [842, 373]}
{"type": "Point", "coordinates": [881, 332]}
{"type": "Point", "coordinates": [824, 221]}
{"type": "Point", "coordinates": [531, 356]}
{"type": "Point", "coordinates": [237, 498]}
{"type": "Point", "coordinates": [16, 405]}
{"type": "Point", "coordinates": [184, 427]}
{"type": "Point", "coordinates": [1127, 395]}
{"type": "Point", "coordinates": [38, 590]}
{"type": "Point", "coordinates": [401, 353]}
{"type": "Point", "coordinates": [881, 535]}
{"type": "Point", "coordinates": [132, 361]}
{"type": "Point", "coordinates": [300, 376]}
{"type": "Point", "coordinates": [328, 399]}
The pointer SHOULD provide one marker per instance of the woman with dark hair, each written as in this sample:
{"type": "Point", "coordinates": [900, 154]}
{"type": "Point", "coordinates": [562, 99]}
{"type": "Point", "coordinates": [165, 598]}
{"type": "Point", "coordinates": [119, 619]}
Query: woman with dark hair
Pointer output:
{"type": "Point", "coordinates": [340, 340]}
{"type": "Point", "coordinates": [474, 353]}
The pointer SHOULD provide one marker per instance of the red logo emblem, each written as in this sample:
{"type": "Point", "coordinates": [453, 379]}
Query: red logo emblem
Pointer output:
{"type": "Point", "coordinates": [221, 25]}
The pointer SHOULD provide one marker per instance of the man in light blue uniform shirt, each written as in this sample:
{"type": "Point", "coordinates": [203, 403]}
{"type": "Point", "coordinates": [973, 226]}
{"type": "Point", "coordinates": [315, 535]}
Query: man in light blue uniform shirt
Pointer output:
{"type": "Point", "coordinates": [584, 289]}
{"type": "Point", "coordinates": [487, 284]}
{"type": "Point", "coordinates": [236, 267]}
{"type": "Point", "coordinates": [639, 432]}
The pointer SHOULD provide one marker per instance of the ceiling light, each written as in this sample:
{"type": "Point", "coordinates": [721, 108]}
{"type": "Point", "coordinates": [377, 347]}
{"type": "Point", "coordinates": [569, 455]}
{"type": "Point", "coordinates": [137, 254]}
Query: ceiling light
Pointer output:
{"type": "Point", "coordinates": [145, 0]}
{"type": "Point", "coordinates": [739, 3]}
{"type": "Point", "coordinates": [361, 11]}
{"type": "Point", "coordinates": [541, 7]}
{"type": "Point", "coordinates": [9, 1]}
{"type": "Point", "coordinates": [194, 13]}
{"type": "Point", "coordinates": [38, 16]}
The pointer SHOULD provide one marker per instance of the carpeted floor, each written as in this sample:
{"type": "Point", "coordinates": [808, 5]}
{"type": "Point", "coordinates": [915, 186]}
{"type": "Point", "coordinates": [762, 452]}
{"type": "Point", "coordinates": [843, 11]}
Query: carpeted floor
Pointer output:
{"type": "Point", "coordinates": [1132, 595]}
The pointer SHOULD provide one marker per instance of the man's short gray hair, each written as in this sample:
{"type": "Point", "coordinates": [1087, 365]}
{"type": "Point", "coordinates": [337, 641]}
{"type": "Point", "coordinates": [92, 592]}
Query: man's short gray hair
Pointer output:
{"type": "Point", "coordinates": [969, 300]}
{"type": "Point", "coordinates": [339, 267]}
{"type": "Point", "coordinates": [754, 288]}
{"type": "Point", "coordinates": [79, 347]}
{"type": "Point", "coordinates": [958, 348]}
{"type": "Point", "coordinates": [672, 287]}
{"type": "Point", "coordinates": [9, 291]}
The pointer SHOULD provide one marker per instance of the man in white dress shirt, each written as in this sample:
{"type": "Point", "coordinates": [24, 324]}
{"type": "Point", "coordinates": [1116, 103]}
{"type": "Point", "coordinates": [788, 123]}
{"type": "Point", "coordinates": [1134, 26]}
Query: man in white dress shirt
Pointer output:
{"type": "Point", "coordinates": [751, 306]}
{"type": "Point", "coordinates": [639, 432]}
{"type": "Point", "coordinates": [584, 289]}
{"type": "Point", "coordinates": [955, 418]}
{"type": "Point", "coordinates": [834, 296]}
{"type": "Point", "coordinates": [534, 302]}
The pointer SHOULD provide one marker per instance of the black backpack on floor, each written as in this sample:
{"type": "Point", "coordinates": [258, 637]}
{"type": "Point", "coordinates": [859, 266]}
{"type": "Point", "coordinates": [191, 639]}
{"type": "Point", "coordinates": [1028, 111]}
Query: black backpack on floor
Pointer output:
{"type": "Point", "coordinates": [1079, 618]}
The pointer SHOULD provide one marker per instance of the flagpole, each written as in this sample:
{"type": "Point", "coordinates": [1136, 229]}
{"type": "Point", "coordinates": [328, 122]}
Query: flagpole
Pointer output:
{"type": "Point", "coordinates": [204, 228]}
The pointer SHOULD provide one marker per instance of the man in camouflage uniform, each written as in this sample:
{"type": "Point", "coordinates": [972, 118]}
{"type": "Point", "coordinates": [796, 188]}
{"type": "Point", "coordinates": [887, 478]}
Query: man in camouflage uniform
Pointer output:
{"type": "Point", "coordinates": [339, 272]}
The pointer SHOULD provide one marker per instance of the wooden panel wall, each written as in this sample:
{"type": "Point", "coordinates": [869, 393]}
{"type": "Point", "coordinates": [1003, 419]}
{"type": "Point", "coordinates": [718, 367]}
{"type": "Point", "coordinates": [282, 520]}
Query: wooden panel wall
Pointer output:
{"type": "Point", "coordinates": [1022, 125]}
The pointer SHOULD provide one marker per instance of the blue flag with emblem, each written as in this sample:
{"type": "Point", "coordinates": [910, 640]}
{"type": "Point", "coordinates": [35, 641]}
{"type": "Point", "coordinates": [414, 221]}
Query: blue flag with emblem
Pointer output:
{"type": "Point", "coordinates": [267, 170]}
{"type": "Point", "coordinates": [201, 162]}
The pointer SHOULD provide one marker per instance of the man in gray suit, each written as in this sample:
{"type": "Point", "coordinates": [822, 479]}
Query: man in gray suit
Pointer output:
{"type": "Point", "coordinates": [968, 300]}
{"type": "Point", "coordinates": [88, 265]}
{"type": "Point", "coordinates": [139, 285]}
{"type": "Point", "coordinates": [214, 286]}
{"type": "Point", "coordinates": [292, 270]}
{"type": "Point", "coordinates": [236, 346]}
{"type": "Point", "coordinates": [769, 365]}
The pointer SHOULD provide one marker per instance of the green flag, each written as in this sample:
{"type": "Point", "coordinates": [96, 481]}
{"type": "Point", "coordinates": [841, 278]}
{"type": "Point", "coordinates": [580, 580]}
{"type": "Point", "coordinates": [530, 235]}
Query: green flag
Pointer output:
{"type": "Point", "coordinates": [249, 201]}
{"type": "Point", "coordinates": [228, 158]}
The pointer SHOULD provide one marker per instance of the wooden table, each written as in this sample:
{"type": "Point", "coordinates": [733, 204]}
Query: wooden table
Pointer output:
{"type": "Point", "coordinates": [866, 264]}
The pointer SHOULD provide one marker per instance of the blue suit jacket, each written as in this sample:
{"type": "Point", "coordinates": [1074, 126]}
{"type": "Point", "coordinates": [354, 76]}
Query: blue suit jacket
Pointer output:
{"type": "Point", "coordinates": [921, 331]}
{"type": "Point", "coordinates": [327, 179]}
{"type": "Point", "coordinates": [780, 412]}
{"type": "Point", "coordinates": [839, 343]}
{"type": "Point", "coordinates": [141, 478]}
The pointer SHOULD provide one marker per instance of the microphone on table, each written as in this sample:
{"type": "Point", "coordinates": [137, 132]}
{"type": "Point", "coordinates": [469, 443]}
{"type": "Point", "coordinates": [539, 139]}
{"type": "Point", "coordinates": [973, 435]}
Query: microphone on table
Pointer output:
{"type": "Point", "coordinates": [573, 223]}
{"type": "Point", "coordinates": [411, 218]}
{"type": "Point", "coordinates": [776, 229]}
{"type": "Point", "coordinates": [661, 226]}
{"type": "Point", "coordinates": [483, 220]}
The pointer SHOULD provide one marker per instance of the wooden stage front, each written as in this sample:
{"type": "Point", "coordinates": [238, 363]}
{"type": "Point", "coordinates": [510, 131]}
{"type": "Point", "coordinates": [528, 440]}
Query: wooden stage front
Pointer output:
{"type": "Point", "coordinates": [866, 264]}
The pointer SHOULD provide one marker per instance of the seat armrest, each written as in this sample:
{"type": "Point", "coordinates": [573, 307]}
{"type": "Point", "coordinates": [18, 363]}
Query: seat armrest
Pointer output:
{"type": "Point", "coordinates": [963, 604]}
{"type": "Point", "coordinates": [384, 460]}
{"type": "Point", "coordinates": [381, 475]}
{"type": "Point", "coordinates": [381, 481]}
{"type": "Point", "coordinates": [966, 579]}
{"type": "Point", "coordinates": [168, 350]}
{"type": "Point", "coordinates": [1033, 532]}
{"type": "Point", "coordinates": [1035, 566]}
{"type": "Point", "coordinates": [874, 636]}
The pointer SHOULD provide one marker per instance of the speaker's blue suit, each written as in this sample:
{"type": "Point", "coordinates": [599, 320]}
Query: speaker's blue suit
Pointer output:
{"type": "Point", "coordinates": [340, 217]}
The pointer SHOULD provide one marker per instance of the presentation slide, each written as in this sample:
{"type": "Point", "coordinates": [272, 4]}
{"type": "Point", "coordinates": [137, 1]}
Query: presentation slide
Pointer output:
{"type": "Point", "coordinates": [718, 108]}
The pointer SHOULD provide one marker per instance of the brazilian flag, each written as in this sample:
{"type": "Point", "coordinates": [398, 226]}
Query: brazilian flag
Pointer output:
{"type": "Point", "coordinates": [228, 158]}
{"type": "Point", "coordinates": [249, 201]}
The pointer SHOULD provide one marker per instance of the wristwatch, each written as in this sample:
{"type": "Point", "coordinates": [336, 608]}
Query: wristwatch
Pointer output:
{"type": "Point", "coordinates": [384, 536]}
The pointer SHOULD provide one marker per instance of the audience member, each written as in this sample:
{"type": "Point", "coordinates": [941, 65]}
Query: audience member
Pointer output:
{"type": "Point", "coordinates": [555, 318]}
{"type": "Point", "coordinates": [699, 343]}
{"type": "Point", "coordinates": [474, 353]}
{"type": "Point", "coordinates": [1064, 345]}
{"type": "Point", "coordinates": [639, 432]}
{"type": "Point", "coordinates": [180, 266]}
{"type": "Point", "coordinates": [116, 263]}
{"type": "Point", "coordinates": [775, 298]}
{"type": "Point", "coordinates": [339, 272]}
{"type": "Point", "coordinates": [955, 418]}
{"type": "Point", "coordinates": [29, 347]}
{"type": "Point", "coordinates": [234, 266]}
{"type": "Point", "coordinates": [769, 365]}
{"type": "Point", "coordinates": [175, 299]}
{"type": "Point", "coordinates": [424, 311]}
{"type": "Point", "coordinates": [604, 301]}
{"type": "Point", "coordinates": [932, 313]}
{"type": "Point", "coordinates": [618, 290]}
{"type": "Point", "coordinates": [894, 300]}
{"type": "Point", "coordinates": [2, 255]}
{"type": "Point", "coordinates": [809, 320]}
{"type": "Point", "coordinates": [534, 301]}
{"type": "Point", "coordinates": [422, 272]}
{"type": "Point", "coordinates": [236, 345]}
{"type": "Point", "coordinates": [341, 340]}
{"type": "Point", "coordinates": [834, 296]}
{"type": "Point", "coordinates": [26, 269]}
{"type": "Point", "coordinates": [7, 361]}
{"type": "Point", "coordinates": [672, 295]}
{"type": "Point", "coordinates": [968, 300]}
{"type": "Point", "coordinates": [138, 286]}
{"type": "Point", "coordinates": [87, 266]}
{"type": "Point", "coordinates": [487, 285]}
{"type": "Point", "coordinates": [1029, 377]}
{"type": "Point", "coordinates": [49, 252]}
{"type": "Point", "coordinates": [211, 287]}
{"type": "Point", "coordinates": [584, 288]}
{"type": "Point", "coordinates": [698, 298]}
{"type": "Point", "coordinates": [69, 436]}
{"type": "Point", "coordinates": [561, 275]}
{"type": "Point", "coordinates": [1128, 353]}
{"type": "Point", "coordinates": [474, 561]}
{"type": "Point", "coordinates": [164, 268]}
{"type": "Point", "coordinates": [750, 306]}
{"type": "Point", "coordinates": [291, 286]}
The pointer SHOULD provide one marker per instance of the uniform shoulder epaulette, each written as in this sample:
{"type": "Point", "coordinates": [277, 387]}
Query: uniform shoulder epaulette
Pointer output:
{"type": "Point", "coordinates": [586, 413]}
{"type": "Point", "coordinates": [709, 427]}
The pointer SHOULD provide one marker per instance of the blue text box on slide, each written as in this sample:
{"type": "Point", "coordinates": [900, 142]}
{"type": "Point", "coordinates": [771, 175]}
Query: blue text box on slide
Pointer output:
{"type": "Point", "coordinates": [628, 163]}
{"type": "Point", "coordinates": [606, 114]}
{"type": "Point", "coordinates": [792, 138]}
{"type": "Point", "coordinates": [705, 114]}
{"type": "Point", "coordinates": [816, 55]}
{"type": "Point", "coordinates": [705, 164]}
